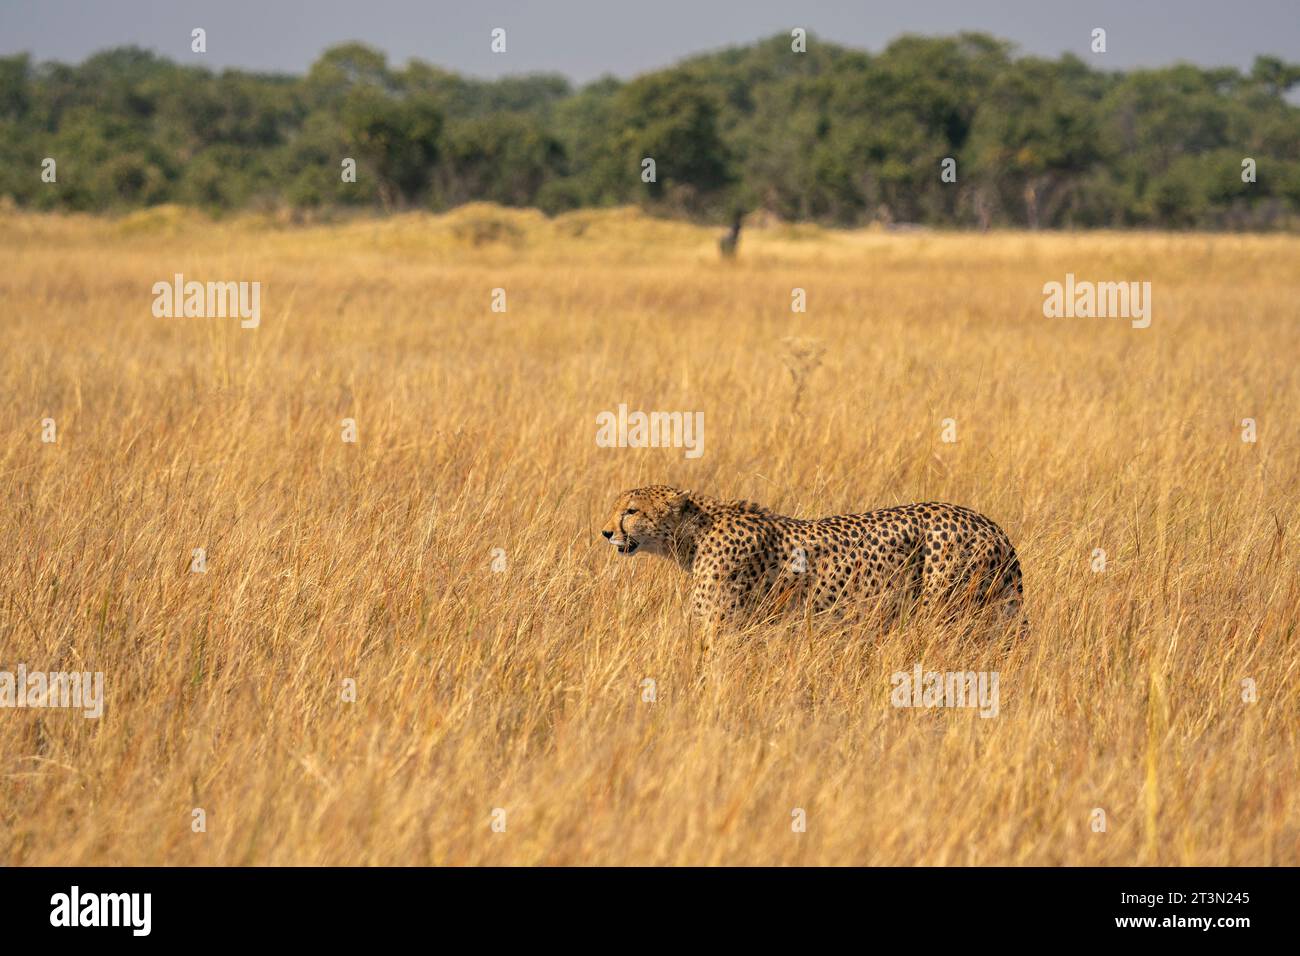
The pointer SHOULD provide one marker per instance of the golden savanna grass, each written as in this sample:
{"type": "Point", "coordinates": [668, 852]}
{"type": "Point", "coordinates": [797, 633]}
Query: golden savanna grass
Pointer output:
{"type": "Point", "coordinates": [523, 689]}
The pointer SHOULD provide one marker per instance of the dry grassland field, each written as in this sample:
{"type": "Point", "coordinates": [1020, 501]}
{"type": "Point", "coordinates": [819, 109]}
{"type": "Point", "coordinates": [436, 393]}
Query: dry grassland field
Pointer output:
{"type": "Point", "coordinates": [416, 648]}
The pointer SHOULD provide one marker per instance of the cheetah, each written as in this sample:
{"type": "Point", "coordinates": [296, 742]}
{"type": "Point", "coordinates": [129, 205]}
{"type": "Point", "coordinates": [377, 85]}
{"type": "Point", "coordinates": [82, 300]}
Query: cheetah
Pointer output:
{"type": "Point", "coordinates": [745, 560]}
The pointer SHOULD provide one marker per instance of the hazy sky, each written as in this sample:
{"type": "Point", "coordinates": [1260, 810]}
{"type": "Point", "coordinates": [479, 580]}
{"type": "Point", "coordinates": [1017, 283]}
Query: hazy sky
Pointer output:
{"type": "Point", "coordinates": [586, 38]}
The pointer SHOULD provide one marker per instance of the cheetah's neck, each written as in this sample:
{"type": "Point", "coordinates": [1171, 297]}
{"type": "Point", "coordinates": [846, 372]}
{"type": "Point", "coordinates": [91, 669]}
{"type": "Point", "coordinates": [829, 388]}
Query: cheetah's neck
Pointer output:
{"type": "Point", "coordinates": [702, 512]}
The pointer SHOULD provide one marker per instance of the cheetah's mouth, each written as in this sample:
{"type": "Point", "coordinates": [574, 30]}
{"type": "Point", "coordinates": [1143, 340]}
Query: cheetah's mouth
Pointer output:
{"type": "Point", "coordinates": [628, 547]}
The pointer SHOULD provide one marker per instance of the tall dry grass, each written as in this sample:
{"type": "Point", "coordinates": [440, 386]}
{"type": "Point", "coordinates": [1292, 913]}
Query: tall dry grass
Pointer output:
{"type": "Point", "coordinates": [523, 689]}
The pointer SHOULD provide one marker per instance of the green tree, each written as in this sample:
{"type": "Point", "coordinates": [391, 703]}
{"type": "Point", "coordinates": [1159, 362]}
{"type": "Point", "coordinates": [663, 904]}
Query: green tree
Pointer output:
{"type": "Point", "coordinates": [397, 138]}
{"type": "Point", "coordinates": [669, 118]}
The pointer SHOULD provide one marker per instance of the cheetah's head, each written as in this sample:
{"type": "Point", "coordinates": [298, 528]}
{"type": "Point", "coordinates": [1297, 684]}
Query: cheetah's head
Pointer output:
{"type": "Point", "coordinates": [650, 519]}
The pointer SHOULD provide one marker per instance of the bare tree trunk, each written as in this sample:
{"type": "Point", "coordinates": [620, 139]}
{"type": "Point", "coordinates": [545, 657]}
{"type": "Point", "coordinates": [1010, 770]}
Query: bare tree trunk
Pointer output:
{"type": "Point", "coordinates": [1031, 205]}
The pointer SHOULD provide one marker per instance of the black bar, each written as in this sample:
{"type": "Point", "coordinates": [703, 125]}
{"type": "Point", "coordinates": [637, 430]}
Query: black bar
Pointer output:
{"type": "Point", "coordinates": [653, 908]}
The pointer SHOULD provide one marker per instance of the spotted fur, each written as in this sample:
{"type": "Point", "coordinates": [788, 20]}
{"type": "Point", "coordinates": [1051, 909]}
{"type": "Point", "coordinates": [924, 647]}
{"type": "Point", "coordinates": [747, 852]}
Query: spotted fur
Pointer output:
{"type": "Point", "coordinates": [745, 560]}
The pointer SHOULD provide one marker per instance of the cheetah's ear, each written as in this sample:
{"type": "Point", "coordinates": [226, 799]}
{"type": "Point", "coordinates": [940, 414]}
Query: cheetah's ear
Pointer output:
{"type": "Point", "coordinates": [679, 501]}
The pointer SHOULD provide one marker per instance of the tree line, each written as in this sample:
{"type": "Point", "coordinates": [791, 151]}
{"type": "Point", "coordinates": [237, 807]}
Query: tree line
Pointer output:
{"type": "Point", "coordinates": [831, 135]}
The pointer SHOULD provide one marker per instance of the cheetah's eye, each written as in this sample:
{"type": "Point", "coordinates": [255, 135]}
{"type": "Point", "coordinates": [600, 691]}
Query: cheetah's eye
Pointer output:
{"type": "Point", "coordinates": [630, 511]}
